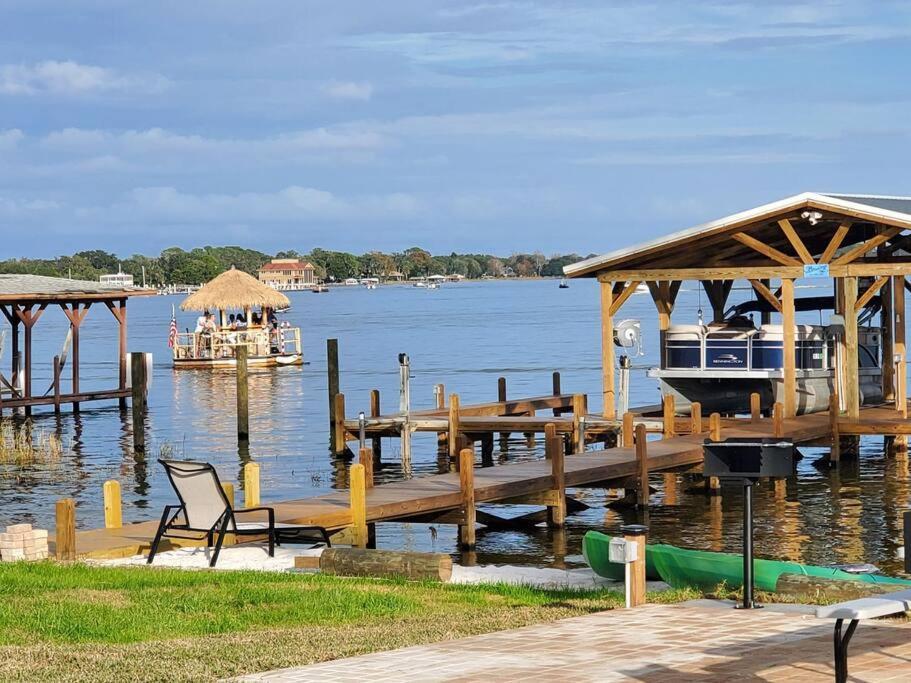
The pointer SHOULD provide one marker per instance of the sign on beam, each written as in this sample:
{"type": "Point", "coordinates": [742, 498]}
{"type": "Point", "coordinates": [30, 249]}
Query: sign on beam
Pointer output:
{"type": "Point", "coordinates": [816, 270]}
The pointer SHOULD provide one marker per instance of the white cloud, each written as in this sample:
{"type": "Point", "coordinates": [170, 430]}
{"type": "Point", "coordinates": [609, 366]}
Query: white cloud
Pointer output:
{"type": "Point", "coordinates": [10, 138]}
{"type": "Point", "coordinates": [349, 90]}
{"type": "Point", "coordinates": [71, 78]}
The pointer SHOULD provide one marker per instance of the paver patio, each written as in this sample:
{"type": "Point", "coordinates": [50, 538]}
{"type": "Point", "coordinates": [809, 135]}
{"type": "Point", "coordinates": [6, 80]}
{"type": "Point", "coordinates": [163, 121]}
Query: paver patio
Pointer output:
{"type": "Point", "coordinates": [698, 641]}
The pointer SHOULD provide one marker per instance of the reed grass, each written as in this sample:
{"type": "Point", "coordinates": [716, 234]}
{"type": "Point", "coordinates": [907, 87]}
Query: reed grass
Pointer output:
{"type": "Point", "coordinates": [21, 445]}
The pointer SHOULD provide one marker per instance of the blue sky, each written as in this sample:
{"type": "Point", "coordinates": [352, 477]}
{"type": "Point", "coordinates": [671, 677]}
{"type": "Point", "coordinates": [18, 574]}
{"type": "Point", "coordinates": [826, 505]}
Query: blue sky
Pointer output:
{"type": "Point", "coordinates": [458, 126]}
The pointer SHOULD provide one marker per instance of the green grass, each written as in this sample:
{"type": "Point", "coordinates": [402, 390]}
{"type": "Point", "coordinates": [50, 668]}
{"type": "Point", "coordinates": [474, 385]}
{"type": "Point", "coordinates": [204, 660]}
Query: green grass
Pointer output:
{"type": "Point", "coordinates": [76, 622]}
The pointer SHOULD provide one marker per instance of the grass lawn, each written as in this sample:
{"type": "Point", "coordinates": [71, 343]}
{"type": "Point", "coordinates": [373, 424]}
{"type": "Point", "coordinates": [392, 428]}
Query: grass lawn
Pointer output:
{"type": "Point", "coordinates": [75, 622]}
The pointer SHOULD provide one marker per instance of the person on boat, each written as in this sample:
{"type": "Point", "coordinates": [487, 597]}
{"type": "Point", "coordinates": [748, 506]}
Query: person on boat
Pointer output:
{"type": "Point", "coordinates": [271, 317]}
{"type": "Point", "coordinates": [205, 325]}
{"type": "Point", "coordinates": [275, 338]}
{"type": "Point", "coordinates": [256, 320]}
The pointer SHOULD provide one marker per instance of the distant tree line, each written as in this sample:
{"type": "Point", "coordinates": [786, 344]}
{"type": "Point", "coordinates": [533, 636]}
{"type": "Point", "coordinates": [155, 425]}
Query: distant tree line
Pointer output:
{"type": "Point", "coordinates": [176, 266]}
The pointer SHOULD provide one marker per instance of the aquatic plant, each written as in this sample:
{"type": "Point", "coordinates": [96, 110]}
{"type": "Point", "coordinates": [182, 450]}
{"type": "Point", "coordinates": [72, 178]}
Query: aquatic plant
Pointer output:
{"type": "Point", "coordinates": [22, 445]}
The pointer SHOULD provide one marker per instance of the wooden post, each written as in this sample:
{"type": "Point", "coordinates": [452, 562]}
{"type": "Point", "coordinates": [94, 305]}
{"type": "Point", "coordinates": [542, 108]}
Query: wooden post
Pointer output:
{"type": "Point", "coordinates": [56, 384]}
{"type": "Point", "coordinates": [243, 410]}
{"type": "Point", "coordinates": [377, 442]}
{"type": "Point", "coordinates": [852, 394]}
{"type": "Point", "coordinates": [628, 430]}
{"type": "Point", "coordinates": [607, 351]}
{"type": "Point", "coordinates": [887, 316]}
{"type": "Point", "coordinates": [755, 407]}
{"type": "Point", "coordinates": [715, 427]}
{"type": "Point", "coordinates": [834, 412]}
{"type": "Point", "coordinates": [466, 482]}
{"type": "Point", "coordinates": [121, 316]}
{"type": "Point", "coordinates": [358, 502]}
{"type": "Point", "coordinates": [898, 344]}
{"type": "Point", "coordinates": [777, 419]}
{"type": "Point", "coordinates": [66, 529]}
{"type": "Point", "coordinates": [365, 457]}
{"type": "Point", "coordinates": [138, 379]}
{"type": "Point", "coordinates": [332, 371]}
{"type": "Point", "coordinates": [555, 379]}
{"type": "Point", "coordinates": [556, 513]}
{"type": "Point", "coordinates": [251, 485]}
{"type": "Point", "coordinates": [338, 431]}
{"type": "Point", "coordinates": [642, 492]}
{"type": "Point", "coordinates": [454, 427]}
{"type": "Point", "coordinates": [501, 389]}
{"type": "Point", "coordinates": [696, 418]}
{"type": "Point", "coordinates": [228, 488]}
{"type": "Point", "coordinates": [637, 569]}
{"type": "Point", "coordinates": [113, 511]}
{"type": "Point", "coordinates": [789, 370]}
{"type": "Point", "coordinates": [578, 411]}
{"type": "Point", "coordinates": [669, 418]}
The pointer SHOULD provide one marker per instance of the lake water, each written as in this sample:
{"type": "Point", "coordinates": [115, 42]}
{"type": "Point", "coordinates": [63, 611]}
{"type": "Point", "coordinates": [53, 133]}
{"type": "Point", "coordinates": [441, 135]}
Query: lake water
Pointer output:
{"type": "Point", "coordinates": [465, 336]}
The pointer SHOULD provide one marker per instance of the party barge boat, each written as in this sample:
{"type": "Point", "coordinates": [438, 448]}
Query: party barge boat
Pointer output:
{"type": "Point", "coordinates": [236, 310]}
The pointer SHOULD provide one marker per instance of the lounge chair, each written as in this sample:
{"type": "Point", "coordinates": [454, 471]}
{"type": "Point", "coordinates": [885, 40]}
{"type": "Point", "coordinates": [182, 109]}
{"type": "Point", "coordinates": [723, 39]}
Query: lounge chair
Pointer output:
{"type": "Point", "coordinates": [204, 509]}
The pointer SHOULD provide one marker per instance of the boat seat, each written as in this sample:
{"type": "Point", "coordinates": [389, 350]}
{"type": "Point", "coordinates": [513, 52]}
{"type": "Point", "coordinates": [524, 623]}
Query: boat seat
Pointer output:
{"type": "Point", "coordinates": [855, 610]}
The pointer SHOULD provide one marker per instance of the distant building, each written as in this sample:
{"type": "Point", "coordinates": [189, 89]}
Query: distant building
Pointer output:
{"type": "Point", "coordinates": [118, 279]}
{"type": "Point", "coordinates": [287, 273]}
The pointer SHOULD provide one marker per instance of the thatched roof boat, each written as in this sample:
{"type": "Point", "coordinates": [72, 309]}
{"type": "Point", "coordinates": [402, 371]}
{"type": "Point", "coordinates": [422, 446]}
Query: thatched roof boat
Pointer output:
{"type": "Point", "coordinates": [234, 290]}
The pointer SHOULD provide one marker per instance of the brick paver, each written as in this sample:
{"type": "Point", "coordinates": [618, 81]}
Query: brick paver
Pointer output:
{"type": "Point", "coordinates": [655, 643]}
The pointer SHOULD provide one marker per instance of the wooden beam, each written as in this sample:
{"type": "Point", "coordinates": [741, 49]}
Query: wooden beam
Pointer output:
{"type": "Point", "coordinates": [766, 294]}
{"type": "Point", "coordinates": [799, 247]}
{"type": "Point", "coordinates": [852, 395]}
{"type": "Point", "coordinates": [840, 233]}
{"type": "Point", "coordinates": [898, 343]}
{"type": "Point", "coordinates": [864, 298]}
{"type": "Point", "coordinates": [625, 294]}
{"type": "Point", "coordinates": [766, 250]}
{"type": "Point", "coordinates": [607, 352]}
{"type": "Point", "coordinates": [869, 245]}
{"type": "Point", "coordinates": [790, 359]}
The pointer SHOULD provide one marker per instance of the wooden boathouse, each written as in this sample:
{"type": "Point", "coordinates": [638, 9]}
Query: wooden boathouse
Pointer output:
{"type": "Point", "coordinates": [23, 301]}
{"type": "Point", "coordinates": [859, 242]}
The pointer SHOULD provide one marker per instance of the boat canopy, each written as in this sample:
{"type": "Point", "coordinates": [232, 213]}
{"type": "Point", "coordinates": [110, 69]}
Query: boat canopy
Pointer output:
{"type": "Point", "coordinates": [234, 290]}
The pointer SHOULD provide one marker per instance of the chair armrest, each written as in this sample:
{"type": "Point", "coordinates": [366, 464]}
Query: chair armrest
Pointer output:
{"type": "Point", "coordinates": [270, 511]}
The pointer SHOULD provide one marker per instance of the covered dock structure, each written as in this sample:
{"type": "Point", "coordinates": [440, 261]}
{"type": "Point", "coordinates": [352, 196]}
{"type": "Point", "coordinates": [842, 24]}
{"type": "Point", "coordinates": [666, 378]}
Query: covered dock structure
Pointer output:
{"type": "Point", "coordinates": [859, 242]}
{"type": "Point", "coordinates": [24, 299]}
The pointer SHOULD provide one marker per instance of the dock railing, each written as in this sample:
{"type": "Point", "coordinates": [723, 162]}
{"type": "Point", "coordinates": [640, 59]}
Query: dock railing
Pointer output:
{"type": "Point", "coordinates": [260, 341]}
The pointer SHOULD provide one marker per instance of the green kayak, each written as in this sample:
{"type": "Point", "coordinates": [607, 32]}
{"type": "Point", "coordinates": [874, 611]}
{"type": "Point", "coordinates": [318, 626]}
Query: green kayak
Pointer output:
{"type": "Point", "coordinates": [682, 568]}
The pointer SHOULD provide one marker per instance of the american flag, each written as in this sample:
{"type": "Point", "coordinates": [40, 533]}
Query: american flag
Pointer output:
{"type": "Point", "coordinates": [172, 333]}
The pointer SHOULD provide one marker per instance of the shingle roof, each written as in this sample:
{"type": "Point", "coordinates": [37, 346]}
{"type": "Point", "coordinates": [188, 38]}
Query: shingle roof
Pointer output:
{"type": "Point", "coordinates": [15, 286]}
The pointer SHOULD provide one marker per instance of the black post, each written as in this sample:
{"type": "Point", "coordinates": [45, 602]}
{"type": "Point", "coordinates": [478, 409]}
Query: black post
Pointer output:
{"type": "Point", "coordinates": [748, 546]}
{"type": "Point", "coordinates": [906, 518]}
{"type": "Point", "coordinates": [332, 371]}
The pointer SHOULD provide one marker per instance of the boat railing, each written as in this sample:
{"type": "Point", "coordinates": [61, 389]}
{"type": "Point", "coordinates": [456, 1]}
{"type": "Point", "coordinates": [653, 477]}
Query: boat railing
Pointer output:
{"type": "Point", "coordinates": [260, 342]}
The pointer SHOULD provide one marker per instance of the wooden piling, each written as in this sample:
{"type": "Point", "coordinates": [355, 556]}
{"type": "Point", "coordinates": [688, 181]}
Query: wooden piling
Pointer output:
{"type": "Point", "coordinates": [755, 407]}
{"type": "Point", "coordinates": [578, 440]}
{"type": "Point", "coordinates": [715, 427]}
{"type": "Point", "coordinates": [358, 503]}
{"type": "Point", "coordinates": [66, 530]}
{"type": "Point", "coordinates": [778, 420]}
{"type": "Point", "coordinates": [454, 427]}
{"type": "Point", "coordinates": [501, 389]}
{"type": "Point", "coordinates": [338, 429]}
{"type": "Point", "coordinates": [696, 418]}
{"type": "Point", "coordinates": [57, 384]}
{"type": "Point", "coordinates": [466, 482]}
{"type": "Point", "coordinates": [113, 511]}
{"type": "Point", "coordinates": [555, 379]}
{"type": "Point", "coordinates": [637, 570]}
{"type": "Point", "coordinates": [138, 380]}
{"type": "Point", "coordinates": [834, 412]}
{"type": "Point", "coordinates": [669, 416]}
{"type": "Point", "coordinates": [332, 371]}
{"type": "Point", "coordinates": [376, 442]}
{"type": "Point", "coordinates": [642, 492]}
{"type": "Point", "coordinates": [628, 427]}
{"type": "Point", "coordinates": [365, 457]}
{"type": "Point", "coordinates": [251, 485]}
{"type": "Point", "coordinates": [556, 512]}
{"type": "Point", "coordinates": [243, 395]}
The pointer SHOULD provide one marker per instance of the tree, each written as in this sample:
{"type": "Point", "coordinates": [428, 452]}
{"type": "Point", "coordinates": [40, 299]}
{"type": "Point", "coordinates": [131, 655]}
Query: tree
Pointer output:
{"type": "Point", "coordinates": [341, 265]}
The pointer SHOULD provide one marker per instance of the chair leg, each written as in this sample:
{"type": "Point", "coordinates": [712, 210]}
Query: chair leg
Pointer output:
{"type": "Point", "coordinates": [162, 527]}
{"type": "Point", "coordinates": [222, 531]}
{"type": "Point", "coordinates": [841, 649]}
{"type": "Point", "coordinates": [272, 542]}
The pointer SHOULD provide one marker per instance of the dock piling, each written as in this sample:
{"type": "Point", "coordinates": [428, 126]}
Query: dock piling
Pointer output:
{"type": "Point", "coordinates": [755, 407]}
{"type": "Point", "coordinates": [555, 378]}
{"type": "Point", "coordinates": [57, 384]}
{"type": "Point", "coordinates": [377, 442]}
{"type": "Point", "coordinates": [627, 431]}
{"type": "Point", "coordinates": [696, 418]}
{"type": "Point", "coordinates": [642, 492]}
{"type": "Point", "coordinates": [138, 381]}
{"type": "Point", "coordinates": [66, 530]}
{"type": "Point", "coordinates": [466, 483]}
{"type": "Point", "coordinates": [251, 485]}
{"type": "Point", "coordinates": [777, 420]}
{"type": "Point", "coordinates": [338, 431]}
{"type": "Point", "coordinates": [578, 413]}
{"type": "Point", "coordinates": [556, 513]}
{"type": "Point", "coordinates": [834, 412]}
{"type": "Point", "coordinates": [715, 427]}
{"type": "Point", "coordinates": [358, 503]}
{"type": "Point", "coordinates": [113, 515]}
{"type": "Point", "coordinates": [243, 394]}
{"type": "Point", "coordinates": [365, 457]}
{"type": "Point", "coordinates": [332, 372]}
{"type": "Point", "coordinates": [635, 588]}
{"type": "Point", "coordinates": [454, 427]}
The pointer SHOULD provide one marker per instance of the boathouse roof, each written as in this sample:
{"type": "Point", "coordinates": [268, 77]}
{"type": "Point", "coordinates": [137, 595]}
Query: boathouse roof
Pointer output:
{"type": "Point", "coordinates": [808, 228]}
{"type": "Point", "coordinates": [18, 287]}
{"type": "Point", "coordinates": [234, 289]}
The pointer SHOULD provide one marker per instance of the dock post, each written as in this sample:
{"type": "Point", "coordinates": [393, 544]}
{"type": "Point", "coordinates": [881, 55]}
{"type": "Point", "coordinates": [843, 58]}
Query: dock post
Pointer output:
{"type": "Point", "coordinates": [138, 381]}
{"type": "Point", "coordinates": [439, 393]}
{"type": "Point", "coordinates": [696, 418]}
{"type": "Point", "coordinates": [755, 407]}
{"type": "Point", "coordinates": [555, 378]}
{"type": "Point", "coordinates": [578, 413]}
{"type": "Point", "coordinates": [113, 511]}
{"type": "Point", "coordinates": [777, 420]}
{"type": "Point", "coordinates": [501, 398]}
{"type": "Point", "coordinates": [713, 484]}
{"type": "Point", "coordinates": [377, 442]}
{"type": "Point", "coordinates": [642, 492]}
{"type": "Point", "coordinates": [635, 577]}
{"type": "Point", "coordinates": [251, 485]}
{"type": "Point", "coordinates": [556, 513]}
{"type": "Point", "coordinates": [66, 529]}
{"type": "Point", "coordinates": [243, 395]}
{"type": "Point", "coordinates": [627, 433]}
{"type": "Point", "coordinates": [338, 431]}
{"type": "Point", "coordinates": [834, 412]}
{"type": "Point", "coordinates": [57, 384]}
{"type": "Point", "coordinates": [454, 427]}
{"type": "Point", "coordinates": [228, 488]}
{"type": "Point", "coordinates": [669, 416]}
{"type": "Point", "coordinates": [365, 457]}
{"type": "Point", "coordinates": [358, 502]}
{"type": "Point", "coordinates": [466, 482]}
{"type": "Point", "coordinates": [332, 371]}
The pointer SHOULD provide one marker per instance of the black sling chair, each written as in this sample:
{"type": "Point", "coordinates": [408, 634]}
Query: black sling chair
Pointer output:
{"type": "Point", "coordinates": [204, 509]}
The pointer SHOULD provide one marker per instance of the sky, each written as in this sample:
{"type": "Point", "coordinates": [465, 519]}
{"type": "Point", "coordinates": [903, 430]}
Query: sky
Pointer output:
{"type": "Point", "coordinates": [495, 127]}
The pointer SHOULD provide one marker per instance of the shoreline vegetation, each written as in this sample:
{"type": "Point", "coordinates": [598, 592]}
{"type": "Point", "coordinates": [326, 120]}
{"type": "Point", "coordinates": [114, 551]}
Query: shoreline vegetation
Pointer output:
{"type": "Point", "coordinates": [174, 266]}
{"type": "Point", "coordinates": [78, 622]}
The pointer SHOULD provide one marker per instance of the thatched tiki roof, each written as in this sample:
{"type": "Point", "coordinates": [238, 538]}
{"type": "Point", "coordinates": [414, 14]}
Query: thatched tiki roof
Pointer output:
{"type": "Point", "coordinates": [234, 289]}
